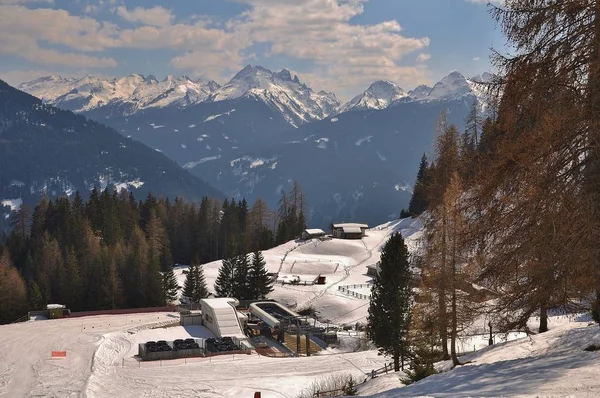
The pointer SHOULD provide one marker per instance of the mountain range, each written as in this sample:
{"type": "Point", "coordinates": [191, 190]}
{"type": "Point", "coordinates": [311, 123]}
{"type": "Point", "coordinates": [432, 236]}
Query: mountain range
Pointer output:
{"type": "Point", "coordinates": [46, 150]}
{"type": "Point", "coordinates": [262, 130]}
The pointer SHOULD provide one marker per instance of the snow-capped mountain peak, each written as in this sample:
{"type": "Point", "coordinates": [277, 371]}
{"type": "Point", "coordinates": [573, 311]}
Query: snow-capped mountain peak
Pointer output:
{"type": "Point", "coordinates": [453, 86]}
{"type": "Point", "coordinates": [379, 95]}
{"type": "Point", "coordinates": [297, 103]}
{"type": "Point", "coordinates": [420, 92]}
{"type": "Point", "coordinates": [128, 93]}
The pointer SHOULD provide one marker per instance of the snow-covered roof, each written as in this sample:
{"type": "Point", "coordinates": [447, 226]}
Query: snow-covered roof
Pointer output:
{"type": "Point", "coordinates": [54, 306]}
{"type": "Point", "coordinates": [351, 230]}
{"type": "Point", "coordinates": [314, 231]}
{"type": "Point", "coordinates": [220, 303]}
{"type": "Point", "coordinates": [350, 224]}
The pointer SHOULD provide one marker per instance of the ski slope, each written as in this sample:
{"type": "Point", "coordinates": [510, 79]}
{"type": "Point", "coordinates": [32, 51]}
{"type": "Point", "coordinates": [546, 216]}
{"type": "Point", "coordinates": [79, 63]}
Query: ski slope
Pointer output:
{"type": "Point", "coordinates": [349, 259]}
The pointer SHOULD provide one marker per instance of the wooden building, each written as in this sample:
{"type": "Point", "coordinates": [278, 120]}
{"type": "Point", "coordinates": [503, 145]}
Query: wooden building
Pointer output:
{"type": "Point", "coordinates": [349, 230]}
{"type": "Point", "coordinates": [312, 233]}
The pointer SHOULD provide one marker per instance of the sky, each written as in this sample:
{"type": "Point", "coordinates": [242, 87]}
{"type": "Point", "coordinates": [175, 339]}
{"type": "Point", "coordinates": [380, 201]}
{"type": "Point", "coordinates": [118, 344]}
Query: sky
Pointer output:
{"type": "Point", "coordinates": [334, 45]}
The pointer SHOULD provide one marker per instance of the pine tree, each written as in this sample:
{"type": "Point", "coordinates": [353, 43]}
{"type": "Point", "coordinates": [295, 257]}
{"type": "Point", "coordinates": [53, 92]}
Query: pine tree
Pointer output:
{"type": "Point", "coordinates": [194, 287]}
{"type": "Point", "coordinates": [241, 288]}
{"type": "Point", "coordinates": [418, 201]}
{"type": "Point", "coordinates": [224, 284]}
{"type": "Point", "coordinates": [391, 299]}
{"type": "Point", "coordinates": [36, 300]}
{"type": "Point", "coordinates": [189, 285]}
{"type": "Point", "coordinates": [200, 288]}
{"type": "Point", "coordinates": [258, 279]}
{"type": "Point", "coordinates": [170, 287]}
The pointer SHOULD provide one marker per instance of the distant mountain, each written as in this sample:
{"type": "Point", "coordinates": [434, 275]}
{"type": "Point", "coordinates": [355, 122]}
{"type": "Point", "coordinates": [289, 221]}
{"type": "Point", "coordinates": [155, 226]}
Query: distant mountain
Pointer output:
{"type": "Point", "coordinates": [297, 102]}
{"type": "Point", "coordinates": [124, 96]}
{"type": "Point", "coordinates": [262, 129]}
{"type": "Point", "coordinates": [358, 165]}
{"type": "Point", "coordinates": [47, 150]}
{"type": "Point", "coordinates": [127, 95]}
{"type": "Point", "coordinates": [379, 95]}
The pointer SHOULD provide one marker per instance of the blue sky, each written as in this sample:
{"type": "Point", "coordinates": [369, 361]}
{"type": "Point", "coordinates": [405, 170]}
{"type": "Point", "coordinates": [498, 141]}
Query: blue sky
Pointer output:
{"type": "Point", "coordinates": [336, 45]}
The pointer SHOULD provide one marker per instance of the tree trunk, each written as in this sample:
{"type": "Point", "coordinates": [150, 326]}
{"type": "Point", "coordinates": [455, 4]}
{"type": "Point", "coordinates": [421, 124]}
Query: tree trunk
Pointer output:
{"type": "Point", "coordinates": [543, 318]}
{"type": "Point", "coordinates": [443, 313]}
{"type": "Point", "coordinates": [453, 334]}
{"type": "Point", "coordinates": [396, 359]}
{"type": "Point", "coordinates": [594, 86]}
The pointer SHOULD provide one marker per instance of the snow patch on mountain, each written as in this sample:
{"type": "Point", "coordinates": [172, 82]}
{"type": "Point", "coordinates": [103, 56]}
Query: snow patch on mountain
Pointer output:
{"type": "Point", "coordinates": [213, 117]}
{"type": "Point", "coordinates": [191, 165]}
{"type": "Point", "coordinates": [322, 142]}
{"type": "Point", "coordinates": [14, 204]}
{"type": "Point", "coordinates": [120, 186]}
{"type": "Point", "coordinates": [403, 186]}
{"type": "Point", "coordinates": [363, 140]}
{"type": "Point", "coordinates": [246, 163]}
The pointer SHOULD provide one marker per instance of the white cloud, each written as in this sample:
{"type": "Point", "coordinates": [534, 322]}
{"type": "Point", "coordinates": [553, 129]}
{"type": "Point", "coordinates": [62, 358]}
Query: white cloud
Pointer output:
{"type": "Point", "coordinates": [156, 16]}
{"type": "Point", "coordinates": [342, 55]}
{"type": "Point", "coordinates": [24, 1]}
{"type": "Point", "coordinates": [476, 59]}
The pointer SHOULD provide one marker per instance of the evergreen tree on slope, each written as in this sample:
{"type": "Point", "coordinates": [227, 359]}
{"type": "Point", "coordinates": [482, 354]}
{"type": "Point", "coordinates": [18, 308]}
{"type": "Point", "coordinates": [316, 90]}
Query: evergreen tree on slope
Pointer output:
{"type": "Point", "coordinates": [391, 298]}
{"type": "Point", "coordinates": [259, 281]}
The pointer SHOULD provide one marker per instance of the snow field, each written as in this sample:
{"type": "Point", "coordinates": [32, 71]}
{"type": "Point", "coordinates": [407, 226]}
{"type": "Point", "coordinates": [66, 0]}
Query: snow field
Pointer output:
{"type": "Point", "coordinates": [26, 367]}
{"type": "Point", "coordinates": [551, 364]}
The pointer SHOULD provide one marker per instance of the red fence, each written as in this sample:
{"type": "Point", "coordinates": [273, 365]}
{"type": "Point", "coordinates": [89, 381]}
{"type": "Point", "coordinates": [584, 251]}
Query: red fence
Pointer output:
{"type": "Point", "coordinates": [124, 311]}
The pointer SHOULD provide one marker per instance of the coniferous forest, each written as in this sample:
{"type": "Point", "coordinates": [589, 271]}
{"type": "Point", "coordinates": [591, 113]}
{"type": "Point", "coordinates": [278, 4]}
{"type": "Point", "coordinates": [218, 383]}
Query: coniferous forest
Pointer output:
{"type": "Point", "coordinates": [113, 251]}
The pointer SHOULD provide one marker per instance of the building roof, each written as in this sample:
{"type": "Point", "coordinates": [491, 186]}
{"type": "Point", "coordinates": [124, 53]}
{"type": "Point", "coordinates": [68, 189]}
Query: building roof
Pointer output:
{"type": "Point", "coordinates": [352, 230]}
{"type": "Point", "coordinates": [220, 303]}
{"type": "Point", "coordinates": [314, 231]}
{"type": "Point", "coordinates": [350, 224]}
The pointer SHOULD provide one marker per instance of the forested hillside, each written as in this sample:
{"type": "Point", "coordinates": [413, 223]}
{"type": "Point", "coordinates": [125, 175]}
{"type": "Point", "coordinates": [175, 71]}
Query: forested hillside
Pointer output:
{"type": "Point", "coordinates": [115, 252]}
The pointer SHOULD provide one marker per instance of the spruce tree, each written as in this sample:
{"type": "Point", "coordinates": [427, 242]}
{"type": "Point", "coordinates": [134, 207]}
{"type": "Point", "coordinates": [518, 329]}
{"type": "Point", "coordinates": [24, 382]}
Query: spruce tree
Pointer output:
{"type": "Point", "coordinates": [200, 288]}
{"type": "Point", "coordinates": [225, 280]}
{"type": "Point", "coordinates": [258, 279]}
{"type": "Point", "coordinates": [391, 297]}
{"type": "Point", "coordinates": [170, 287]}
{"type": "Point", "coordinates": [418, 201]}
{"type": "Point", "coordinates": [189, 286]}
{"type": "Point", "coordinates": [240, 283]}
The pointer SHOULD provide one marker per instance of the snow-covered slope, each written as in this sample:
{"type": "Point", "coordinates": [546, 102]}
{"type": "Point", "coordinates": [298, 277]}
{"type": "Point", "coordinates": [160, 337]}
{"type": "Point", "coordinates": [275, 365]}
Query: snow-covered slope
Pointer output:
{"type": "Point", "coordinates": [379, 95]}
{"type": "Point", "coordinates": [129, 93]}
{"type": "Point", "coordinates": [551, 364]}
{"type": "Point", "coordinates": [342, 262]}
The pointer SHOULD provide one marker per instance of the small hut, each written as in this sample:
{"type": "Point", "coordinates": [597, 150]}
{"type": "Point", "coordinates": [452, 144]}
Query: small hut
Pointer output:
{"type": "Point", "coordinates": [349, 230]}
{"type": "Point", "coordinates": [312, 233]}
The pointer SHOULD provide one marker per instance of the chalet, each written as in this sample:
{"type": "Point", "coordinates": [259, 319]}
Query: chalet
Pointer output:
{"type": "Point", "coordinates": [348, 230]}
{"type": "Point", "coordinates": [312, 233]}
